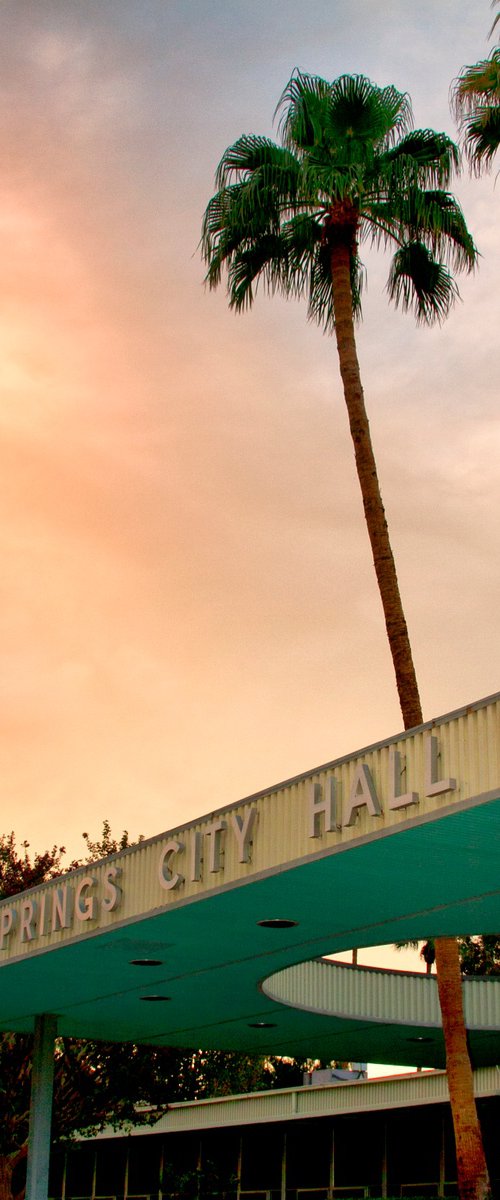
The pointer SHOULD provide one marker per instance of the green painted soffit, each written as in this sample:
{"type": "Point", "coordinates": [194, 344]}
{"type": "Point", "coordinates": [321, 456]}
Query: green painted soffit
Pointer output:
{"type": "Point", "coordinates": [440, 877]}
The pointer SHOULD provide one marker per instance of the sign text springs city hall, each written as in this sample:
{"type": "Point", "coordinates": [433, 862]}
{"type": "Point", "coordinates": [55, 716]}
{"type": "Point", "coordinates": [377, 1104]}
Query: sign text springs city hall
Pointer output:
{"type": "Point", "coordinates": [80, 902]}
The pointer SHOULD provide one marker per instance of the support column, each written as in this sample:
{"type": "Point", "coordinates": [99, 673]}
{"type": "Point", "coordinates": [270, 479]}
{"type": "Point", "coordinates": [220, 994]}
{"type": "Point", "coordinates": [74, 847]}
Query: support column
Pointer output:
{"type": "Point", "coordinates": [42, 1081]}
{"type": "Point", "coordinates": [239, 1168]}
{"type": "Point", "coordinates": [125, 1175]}
{"type": "Point", "coordinates": [383, 1182]}
{"type": "Point", "coordinates": [283, 1167]}
{"type": "Point", "coordinates": [442, 1157]}
{"type": "Point", "coordinates": [331, 1181]}
{"type": "Point", "coordinates": [94, 1174]}
{"type": "Point", "coordinates": [65, 1175]}
{"type": "Point", "coordinates": [200, 1168]}
{"type": "Point", "coordinates": [162, 1169]}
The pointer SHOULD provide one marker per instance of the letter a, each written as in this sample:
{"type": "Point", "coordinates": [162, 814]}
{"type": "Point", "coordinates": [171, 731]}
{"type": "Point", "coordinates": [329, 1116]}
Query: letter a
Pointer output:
{"type": "Point", "coordinates": [362, 795]}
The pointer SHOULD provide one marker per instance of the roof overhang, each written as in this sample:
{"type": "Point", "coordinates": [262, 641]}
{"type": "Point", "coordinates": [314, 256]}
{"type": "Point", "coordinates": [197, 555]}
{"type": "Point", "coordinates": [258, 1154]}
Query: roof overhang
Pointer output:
{"type": "Point", "coordinates": [165, 942]}
{"type": "Point", "coordinates": [305, 1103]}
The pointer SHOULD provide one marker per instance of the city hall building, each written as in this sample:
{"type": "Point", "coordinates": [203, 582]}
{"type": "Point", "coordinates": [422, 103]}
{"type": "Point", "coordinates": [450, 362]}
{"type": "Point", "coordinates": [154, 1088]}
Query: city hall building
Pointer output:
{"type": "Point", "coordinates": [390, 1137]}
{"type": "Point", "coordinates": [214, 935]}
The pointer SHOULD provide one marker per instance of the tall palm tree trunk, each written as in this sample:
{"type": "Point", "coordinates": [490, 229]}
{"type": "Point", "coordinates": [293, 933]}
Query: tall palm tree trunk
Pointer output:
{"type": "Point", "coordinates": [473, 1179]}
{"type": "Point", "coordinates": [378, 532]}
{"type": "Point", "coordinates": [472, 1172]}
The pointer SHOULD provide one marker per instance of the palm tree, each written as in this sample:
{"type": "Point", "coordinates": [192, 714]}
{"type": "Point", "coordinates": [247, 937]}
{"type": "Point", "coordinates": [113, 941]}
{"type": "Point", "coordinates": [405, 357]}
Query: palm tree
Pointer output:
{"type": "Point", "coordinates": [427, 951]}
{"type": "Point", "coordinates": [350, 168]}
{"type": "Point", "coordinates": [291, 215]}
{"type": "Point", "coordinates": [475, 97]}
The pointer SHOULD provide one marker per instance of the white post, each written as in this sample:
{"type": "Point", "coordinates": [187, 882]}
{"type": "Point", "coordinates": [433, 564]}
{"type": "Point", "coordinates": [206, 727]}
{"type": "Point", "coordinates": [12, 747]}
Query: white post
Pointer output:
{"type": "Point", "coordinates": [239, 1168]}
{"type": "Point", "coordinates": [42, 1079]}
{"type": "Point", "coordinates": [383, 1188]}
{"type": "Point", "coordinates": [331, 1181]}
{"type": "Point", "coordinates": [283, 1168]}
{"type": "Point", "coordinates": [442, 1160]}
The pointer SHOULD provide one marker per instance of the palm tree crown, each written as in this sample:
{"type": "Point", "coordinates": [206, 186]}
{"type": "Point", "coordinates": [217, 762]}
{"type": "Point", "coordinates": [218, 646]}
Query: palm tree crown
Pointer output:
{"type": "Point", "coordinates": [349, 168]}
{"type": "Point", "coordinates": [476, 103]}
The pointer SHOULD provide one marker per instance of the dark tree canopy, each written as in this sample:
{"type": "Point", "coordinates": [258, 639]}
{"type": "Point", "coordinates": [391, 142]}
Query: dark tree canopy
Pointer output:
{"type": "Point", "coordinates": [480, 955]}
{"type": "Point", "coordinates": [18, 871]}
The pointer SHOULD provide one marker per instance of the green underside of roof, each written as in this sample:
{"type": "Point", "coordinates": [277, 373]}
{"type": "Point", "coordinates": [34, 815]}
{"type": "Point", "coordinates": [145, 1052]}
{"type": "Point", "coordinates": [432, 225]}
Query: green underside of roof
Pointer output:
{"type": "Point", "coordinates": [441, 877]}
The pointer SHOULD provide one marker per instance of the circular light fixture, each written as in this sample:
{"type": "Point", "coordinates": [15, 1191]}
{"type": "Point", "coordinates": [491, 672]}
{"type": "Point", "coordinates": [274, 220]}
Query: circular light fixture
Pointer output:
{"type": "Point", "coordinates": [146, 962]}
{"type": "Point", "coordinates": [155, 998]}
{"type": "Point", "coordinates": [277, 923]}
{"type": "Point", "coordinates": [262, 1024]}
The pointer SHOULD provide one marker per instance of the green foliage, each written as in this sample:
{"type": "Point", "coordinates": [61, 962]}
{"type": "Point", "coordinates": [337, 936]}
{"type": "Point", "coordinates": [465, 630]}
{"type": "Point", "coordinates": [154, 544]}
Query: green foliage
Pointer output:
{"type": "Point", "coordinates": [106, 844]}
{"type": "Point", "coordinates": [205, 1073]}
{"type": "Point", "coordinates": [349, 168]}
{"type": "Point", "coordinates": [15, 1077]}
{"type": "Point", "coordinates": [475, 100]}
{"type": "Point", "coordinates": [19, 872]}
{"type": "Point", "coordinates": [480, 955]}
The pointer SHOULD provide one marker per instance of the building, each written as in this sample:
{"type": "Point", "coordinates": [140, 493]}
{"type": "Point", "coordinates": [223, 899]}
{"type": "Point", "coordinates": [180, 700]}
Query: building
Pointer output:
{"type": "Point", "coordinates": [223, 922]}
{"type": "Point", "coordinates": [388, 1137]}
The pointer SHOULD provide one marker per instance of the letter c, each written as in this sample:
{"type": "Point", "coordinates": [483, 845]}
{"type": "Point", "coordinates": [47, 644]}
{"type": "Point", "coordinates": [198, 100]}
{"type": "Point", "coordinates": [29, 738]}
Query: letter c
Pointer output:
{"type": "Point", "coordinates": [167, 879]}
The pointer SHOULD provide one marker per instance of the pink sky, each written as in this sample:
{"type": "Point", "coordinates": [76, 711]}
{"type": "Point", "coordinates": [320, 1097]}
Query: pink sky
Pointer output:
{"type": "Point", "coordinates": [188, 607]}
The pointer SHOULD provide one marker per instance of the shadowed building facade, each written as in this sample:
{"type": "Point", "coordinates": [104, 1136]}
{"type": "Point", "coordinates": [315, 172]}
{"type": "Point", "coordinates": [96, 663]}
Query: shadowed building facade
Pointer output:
{"type": "Point", "coordinates": [385, 1137]}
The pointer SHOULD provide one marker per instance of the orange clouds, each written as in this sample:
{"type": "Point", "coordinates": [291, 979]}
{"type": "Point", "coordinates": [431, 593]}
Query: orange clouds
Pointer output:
{"type": "Point", "coordinates": [188, 610]}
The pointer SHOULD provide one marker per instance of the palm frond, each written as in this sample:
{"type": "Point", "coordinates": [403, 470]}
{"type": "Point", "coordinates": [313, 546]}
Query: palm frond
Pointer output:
{"type": "Point", "coordinates": [424, 157]}
{"type": "Point", "coordinates": [302, 106]}
{"type": "Point", "coordinates": [230, 222]}
{"type": "Point", "coordinates": [220, 211]}
{"type": "Point", "coordinates": [320, 306]}
{"type": "Point", "coordinates": [400, 106]}
{"type": "Point", "coordinates": [252, 154]}
{"type": "Point", "coordinates": [334, 180]}
{"type": "Point", "coordinates": [475, 99]}
{"type": "Point", "coordinates": [301, 236]}
{"type": "Point", "coordinates": [352, 109]}
{"type": "Point", "coordinates": [362, 111]}
{"type": "Point", "coordinates": [477, 85]}
{"type": "Point", "coordinates": [420, 283]}
{"type": "Point", "coordinates": [442, 225]}
{"type": "Point", "coordinates": [221, 233]}
{"type": "Point", "coordinates": [259, 177]}
{"type": "Point", "coordinates": [482, 138]}
{"type": "Point", "coordinates": [264, 261]}
{"type": "Point", "coordinates": [431, 216]}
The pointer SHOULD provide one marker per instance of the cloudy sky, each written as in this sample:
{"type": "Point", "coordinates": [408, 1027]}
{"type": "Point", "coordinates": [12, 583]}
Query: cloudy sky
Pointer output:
{"type": "Point", "coordinates": [188, 609]}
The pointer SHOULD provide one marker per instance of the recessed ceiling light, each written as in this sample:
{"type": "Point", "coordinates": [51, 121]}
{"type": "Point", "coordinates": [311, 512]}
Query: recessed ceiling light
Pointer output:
{"type": "Point", "coordinates": [277, 923]}
{"type": "Point", "coordinates": [145, 962]}
{"type": "Point", "coordinates": [152, 998]}
{"type": "Point", "coordinates": [262, 1025]}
